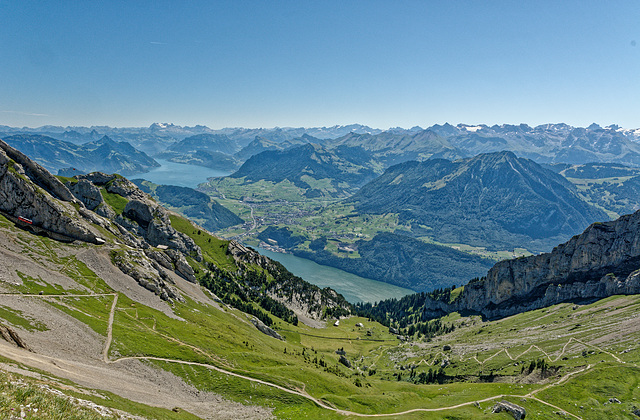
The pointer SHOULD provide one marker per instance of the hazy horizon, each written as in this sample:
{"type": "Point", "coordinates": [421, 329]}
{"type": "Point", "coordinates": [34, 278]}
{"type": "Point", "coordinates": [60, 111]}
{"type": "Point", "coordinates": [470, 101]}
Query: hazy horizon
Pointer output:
{"type": "Point", "coordinates": [292, 64]}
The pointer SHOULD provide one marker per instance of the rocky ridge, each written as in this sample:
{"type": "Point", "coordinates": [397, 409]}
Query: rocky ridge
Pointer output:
{"type": "Point", "coordinates": [72, 211]}
{"type": "Point", "coordinates": [29, 191]}
{"type": "Point", "coordinates": [307, 301]}
{"type": "Point", "coordinates": [141, 216]}
{"type": "Point", "coordinates": [108, 209]}
{"type": "Point", "coordinates": [602, 261]}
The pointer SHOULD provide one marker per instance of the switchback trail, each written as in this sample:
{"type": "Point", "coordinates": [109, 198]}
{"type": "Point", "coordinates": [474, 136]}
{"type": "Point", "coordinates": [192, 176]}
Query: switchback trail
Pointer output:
{"type": "Point", "coordinates": [320, 403]}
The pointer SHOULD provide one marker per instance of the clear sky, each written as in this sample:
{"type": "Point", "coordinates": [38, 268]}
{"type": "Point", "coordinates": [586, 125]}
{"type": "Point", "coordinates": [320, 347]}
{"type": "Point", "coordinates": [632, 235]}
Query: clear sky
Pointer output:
{"type": "Point", "coordinates": [319, 63]}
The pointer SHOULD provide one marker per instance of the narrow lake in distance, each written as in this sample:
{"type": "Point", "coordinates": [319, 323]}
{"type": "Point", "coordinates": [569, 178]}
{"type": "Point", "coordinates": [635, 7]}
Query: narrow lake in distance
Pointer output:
{"type": "Point", "coordinates": [353, 288]}
{"type": "Point", "coordinates": [180, 174]}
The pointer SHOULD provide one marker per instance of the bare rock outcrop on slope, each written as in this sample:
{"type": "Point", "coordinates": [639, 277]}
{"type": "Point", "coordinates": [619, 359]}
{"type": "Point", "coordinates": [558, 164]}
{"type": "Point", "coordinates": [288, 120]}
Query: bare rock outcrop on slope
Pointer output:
{"type": "Point", "coordinates": [146, 272]}
{"type": "Point", "coordinates": [27, 190]}
{"type": "Point", "coordinates": [265, 330]}
{"type": "Point", "coordinates": [142, 216]}
{"type": "Point", "coordinates": [11, 336]}
{"type": "Point", "coordinates": [602, 261]}
{"type": "Point", "coordinates": [515, 410]}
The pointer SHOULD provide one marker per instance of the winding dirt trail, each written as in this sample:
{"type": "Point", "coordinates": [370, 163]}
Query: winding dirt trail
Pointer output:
{"type": "Point", "coordinates": [112, 314]}
{"type": "Point", "coordinates": [324, 405]}
{"type": "Point", "coordinates": [26, 357]}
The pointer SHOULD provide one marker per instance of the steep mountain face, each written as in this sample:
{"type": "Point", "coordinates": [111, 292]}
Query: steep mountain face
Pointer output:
{"type": "Point", "coordinates": [493, 200]}
{"type": "Point", "coordinates": [602, 261]}
{"type": "Point", "coordinates": [104, 154]}
{"type": "Point", "coordinates": [304, 166]}
{"type": "Point", "coordinates": [29, 191]}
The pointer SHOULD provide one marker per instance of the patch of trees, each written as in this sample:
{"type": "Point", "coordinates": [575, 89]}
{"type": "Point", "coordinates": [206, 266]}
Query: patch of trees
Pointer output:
{"type": "Point", "coordinates": [404, 311]}
{"type": "Point", "coordinates": [539, 364]}
{"type": "Point", "coordinates": [408, 314]}
{"type": "Point", "coordinates": [428, 329]}
{"type": "Point", "coordinates": [244, 290]}
{"type": "Point", "coordinates": [252, 289]}
{"type": "Point", "coordinates": [428, 377]}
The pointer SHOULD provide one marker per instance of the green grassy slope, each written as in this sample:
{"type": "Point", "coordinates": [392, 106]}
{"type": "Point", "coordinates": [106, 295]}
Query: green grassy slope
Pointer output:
{"type": "Point", "coordinates": [585, 349]}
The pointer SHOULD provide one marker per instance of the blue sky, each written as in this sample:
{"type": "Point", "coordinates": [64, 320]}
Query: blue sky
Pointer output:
{"type": "Point", "coordinates": [319, 63]}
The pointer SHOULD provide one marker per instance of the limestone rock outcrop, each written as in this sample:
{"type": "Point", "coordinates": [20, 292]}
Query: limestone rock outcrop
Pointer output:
{"type": "Point", "coordinates": [141, 216]}
{"type": "Point", "coordinates": [245, 254]}
{"type": "Point", "coordinates": [602, 261]}
{"type": "Point", "coordinates": [265, 329]}
{"type": "Point", "coordinates": [181, 265]}
{"type": "Point", "coordinates": [11, 336]}
{"type": "Point", "coordinates": [146, 272]}
{"type": "Point", "coordinates": [515, 410]}
{"type": "Point", "coordinates": [27, 190]}
{"type": "Point", "coordinates": [86, 192]}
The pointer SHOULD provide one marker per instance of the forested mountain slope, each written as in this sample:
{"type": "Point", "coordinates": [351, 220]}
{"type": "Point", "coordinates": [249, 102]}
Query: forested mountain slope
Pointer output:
{"type": "Point", "coordinates": [495, 200]}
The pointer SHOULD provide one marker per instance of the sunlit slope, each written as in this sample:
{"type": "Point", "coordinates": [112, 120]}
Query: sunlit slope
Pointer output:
{"type": "Point", "coordinates": [216, 348]}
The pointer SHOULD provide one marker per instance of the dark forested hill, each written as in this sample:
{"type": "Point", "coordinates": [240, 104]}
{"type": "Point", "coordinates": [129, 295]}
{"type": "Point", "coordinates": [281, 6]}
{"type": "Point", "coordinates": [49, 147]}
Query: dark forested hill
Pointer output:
{"type": "Point", "coordinates": [391, 258]}
{"type": "Point", "coordinates": [407, 262]}
{"type": "Point", "coordinates": [493, 200]}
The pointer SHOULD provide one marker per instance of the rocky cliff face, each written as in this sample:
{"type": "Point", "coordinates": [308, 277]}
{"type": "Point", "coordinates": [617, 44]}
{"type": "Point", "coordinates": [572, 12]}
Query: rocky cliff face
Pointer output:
{"type": "Point", "coordinates": [72, 212]}
{"type": "Point", "coordinates": [142, 216]}
{"type": "Point", "coordinates": [27, 190]}
{"type": "Point", "coordinates": [602, 261]}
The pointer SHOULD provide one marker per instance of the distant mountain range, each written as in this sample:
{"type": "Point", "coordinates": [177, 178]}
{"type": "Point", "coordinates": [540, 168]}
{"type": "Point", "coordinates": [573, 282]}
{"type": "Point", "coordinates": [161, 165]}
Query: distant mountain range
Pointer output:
{"type": "Point", "coordinates": [103, 155]}
{"type": "Point", "coordinates": [494, 201]}
{"type": "Point", "coordinates": [548, 143]}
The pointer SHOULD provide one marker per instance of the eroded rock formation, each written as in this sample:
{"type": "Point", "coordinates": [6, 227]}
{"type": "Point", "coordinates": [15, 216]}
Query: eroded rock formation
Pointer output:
{"type": "Point", "coordinates": [27, 190]}
{"type": "Point", "coordinates": [602, 261]}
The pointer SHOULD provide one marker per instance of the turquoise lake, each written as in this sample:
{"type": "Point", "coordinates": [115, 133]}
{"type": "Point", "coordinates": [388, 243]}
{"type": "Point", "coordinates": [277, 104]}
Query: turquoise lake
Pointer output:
{"type": "Point", "coordinates": [353, 288]}
{"type": "Point", "coordinates": [171, 173]}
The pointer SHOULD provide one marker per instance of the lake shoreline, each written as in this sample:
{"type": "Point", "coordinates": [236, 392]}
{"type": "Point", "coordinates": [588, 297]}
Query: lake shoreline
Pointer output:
{"type": "Point", "coordinates": [354, 288]}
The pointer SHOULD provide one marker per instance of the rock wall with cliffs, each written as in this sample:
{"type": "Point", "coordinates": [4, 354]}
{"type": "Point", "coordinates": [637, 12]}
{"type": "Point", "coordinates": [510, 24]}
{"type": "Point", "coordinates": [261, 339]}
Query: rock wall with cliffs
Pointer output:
{"type": "Point", "coordinates": [602, 261]}
{"type": "Point", "coordinates": [30, 191]}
